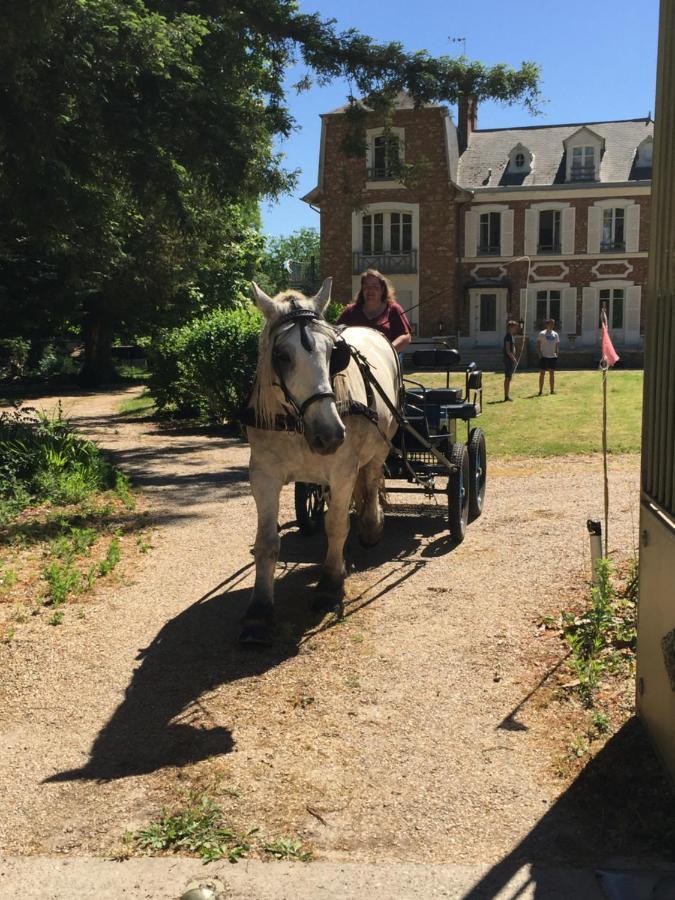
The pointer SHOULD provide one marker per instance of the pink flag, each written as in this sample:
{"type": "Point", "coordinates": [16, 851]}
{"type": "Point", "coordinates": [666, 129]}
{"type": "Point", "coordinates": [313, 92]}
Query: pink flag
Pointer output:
{"type": "Point", "coordinates": [609, 354]}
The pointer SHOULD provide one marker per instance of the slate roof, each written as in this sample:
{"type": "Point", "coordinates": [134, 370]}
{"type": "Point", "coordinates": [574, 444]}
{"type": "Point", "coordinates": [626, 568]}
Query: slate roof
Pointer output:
{"type": "Point", "coordinates": [489, 150]}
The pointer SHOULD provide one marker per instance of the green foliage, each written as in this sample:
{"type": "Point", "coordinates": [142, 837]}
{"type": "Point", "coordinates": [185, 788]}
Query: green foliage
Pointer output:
{"type": "Point", "coordinates": [206, 367]}
{"type": "Point", "coordinates": [598, 637]}
{"type": "Point", "coordinates": [112, 558]}
{"type": "Point", "coordinates": [197, 829]}
{"type": "Point", "coordinates": [42, 459]}
{"type": "Point", "coordinates": [137, 137]}
{"type": "Point", "coordinates": [13, 357]}
{"type": "Point", "coordinates": [286, 848]}
{"type": "Point", "coordinates": [62, 579]}
{"type": "Point", "coordinates": [297, 251]}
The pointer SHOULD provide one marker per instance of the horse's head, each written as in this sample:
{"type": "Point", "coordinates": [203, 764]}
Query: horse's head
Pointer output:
{"type": "Point", "coordinates": [301, 346]}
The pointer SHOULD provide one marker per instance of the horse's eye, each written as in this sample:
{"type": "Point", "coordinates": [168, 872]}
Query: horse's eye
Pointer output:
{"type": "Point", "coordinates": [282, 357]}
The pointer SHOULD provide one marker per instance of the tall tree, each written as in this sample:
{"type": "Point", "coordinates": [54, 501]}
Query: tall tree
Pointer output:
{"type": "Point", "coordinates": [136, 135]}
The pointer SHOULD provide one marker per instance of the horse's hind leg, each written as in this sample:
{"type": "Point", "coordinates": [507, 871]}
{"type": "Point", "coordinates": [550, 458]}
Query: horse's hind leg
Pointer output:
{"type": "Point", "coordinates": [371, 517]}
{"type": "Point", "coordinates": [332, 582]}
{"type": "Point", "coordinates": [257, 624]}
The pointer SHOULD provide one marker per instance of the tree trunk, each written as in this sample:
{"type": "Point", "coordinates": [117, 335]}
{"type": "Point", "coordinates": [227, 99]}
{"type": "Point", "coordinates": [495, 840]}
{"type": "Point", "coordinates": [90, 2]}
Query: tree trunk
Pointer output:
{"type": "Point", "coordinates": [97, 334]}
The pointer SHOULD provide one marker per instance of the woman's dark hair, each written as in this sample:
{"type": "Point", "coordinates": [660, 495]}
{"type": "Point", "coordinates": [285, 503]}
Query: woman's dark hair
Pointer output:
{"type": "Point", "coordinates": [388, 290]}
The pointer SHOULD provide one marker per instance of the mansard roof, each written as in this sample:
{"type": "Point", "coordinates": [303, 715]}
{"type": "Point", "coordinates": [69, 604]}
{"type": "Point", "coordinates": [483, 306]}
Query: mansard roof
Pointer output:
{"type": "Point", "coordinates": [484, 163]}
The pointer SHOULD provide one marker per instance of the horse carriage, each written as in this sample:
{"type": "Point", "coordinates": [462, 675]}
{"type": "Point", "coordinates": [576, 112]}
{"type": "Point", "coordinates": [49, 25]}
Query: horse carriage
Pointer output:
{"type": "Point", "coordinates": [329, 411]}
{"type": "Point", "coordinates": [426, 450]}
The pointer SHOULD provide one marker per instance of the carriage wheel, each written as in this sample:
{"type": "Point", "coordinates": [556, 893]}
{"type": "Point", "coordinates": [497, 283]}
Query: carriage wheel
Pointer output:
{"type": "Point", "coordinates": [477, 472]}
{"type": "Point", "coordinates": [459, 492]}
{"type": "Point", "coordinates": [310, 505]}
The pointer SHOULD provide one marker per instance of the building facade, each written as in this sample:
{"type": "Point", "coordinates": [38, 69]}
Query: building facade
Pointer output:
{"type": "Point", "coordinates": [475, 227]}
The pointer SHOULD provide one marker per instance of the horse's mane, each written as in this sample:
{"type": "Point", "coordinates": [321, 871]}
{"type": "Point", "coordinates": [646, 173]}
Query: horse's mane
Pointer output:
{"type": "Point", "coordinates": [266, 399]}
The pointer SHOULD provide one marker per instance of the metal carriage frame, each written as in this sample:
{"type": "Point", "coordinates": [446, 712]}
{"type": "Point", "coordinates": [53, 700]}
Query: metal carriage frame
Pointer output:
{"type": "Point", "coordinates": [426, 449]}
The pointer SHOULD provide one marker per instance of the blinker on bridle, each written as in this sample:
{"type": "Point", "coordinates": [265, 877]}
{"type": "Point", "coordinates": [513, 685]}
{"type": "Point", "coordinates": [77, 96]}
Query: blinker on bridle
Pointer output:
{"type": "Point", "coordinates": [340, 355]}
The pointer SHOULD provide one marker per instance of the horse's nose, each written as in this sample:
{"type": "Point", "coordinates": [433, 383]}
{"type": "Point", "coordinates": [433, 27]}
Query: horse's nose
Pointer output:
{"type": "Point", "coordinates": [325, 444]}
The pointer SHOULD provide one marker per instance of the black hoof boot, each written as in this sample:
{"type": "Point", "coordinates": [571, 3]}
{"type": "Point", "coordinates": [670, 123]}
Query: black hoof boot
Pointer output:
{"type": "Point", "coordinates": [329, 596]}
{"type": "Point", "coordinates": [256, 633]}
{"type": "Point", "coordinates": [368, 545]}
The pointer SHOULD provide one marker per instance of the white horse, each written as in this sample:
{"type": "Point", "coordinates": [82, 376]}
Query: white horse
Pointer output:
{"type": "Point", "coordinates": [323, 438]}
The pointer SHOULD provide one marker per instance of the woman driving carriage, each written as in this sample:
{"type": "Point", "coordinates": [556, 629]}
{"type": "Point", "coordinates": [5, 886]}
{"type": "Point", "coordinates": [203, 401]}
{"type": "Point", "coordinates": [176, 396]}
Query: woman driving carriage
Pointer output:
{"type": "Point", "coordinates": [375, 306]}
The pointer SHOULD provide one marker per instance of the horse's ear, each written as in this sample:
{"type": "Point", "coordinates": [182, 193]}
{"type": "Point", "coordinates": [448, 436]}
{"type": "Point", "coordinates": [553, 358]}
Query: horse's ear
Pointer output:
{"type": "Point", "coordinates": [265, 304]}
{"type": "Point", "coordinates": [322, 299]}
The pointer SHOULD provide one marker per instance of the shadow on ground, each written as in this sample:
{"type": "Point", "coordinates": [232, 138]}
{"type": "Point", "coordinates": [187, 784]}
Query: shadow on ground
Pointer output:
{"type": "Point", "coordinates": [618, 811]}
{"type": "Point", "coordinates": [159, 723]}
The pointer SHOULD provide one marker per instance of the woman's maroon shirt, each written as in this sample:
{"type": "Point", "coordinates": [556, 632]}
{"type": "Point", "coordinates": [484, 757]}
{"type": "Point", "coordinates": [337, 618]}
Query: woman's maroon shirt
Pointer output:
{"type": "Point", "coordinates": [393, 322]}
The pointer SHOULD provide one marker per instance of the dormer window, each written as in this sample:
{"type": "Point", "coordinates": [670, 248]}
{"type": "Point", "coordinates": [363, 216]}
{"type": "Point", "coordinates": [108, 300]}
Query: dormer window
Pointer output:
{"type": "Point", "coordinates": [644, 153]}
{"type": "Point", "coordinates": [583, 164]}
{"type": "Point", "coordinates": [584, 149]}
{"type": "Point", "coordinates": [520, 160]}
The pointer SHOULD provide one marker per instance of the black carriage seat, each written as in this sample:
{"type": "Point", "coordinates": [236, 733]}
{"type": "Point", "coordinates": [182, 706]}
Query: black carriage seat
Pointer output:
{"type": "Point", "coordinates": [436, 359]}
{"type": "Point", "coordinates": [443, 396]}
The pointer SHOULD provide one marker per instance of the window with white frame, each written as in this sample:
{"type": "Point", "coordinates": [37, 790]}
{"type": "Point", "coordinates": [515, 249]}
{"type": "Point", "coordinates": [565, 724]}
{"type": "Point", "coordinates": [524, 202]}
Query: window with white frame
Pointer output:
{"type": "Point", "coordinates": [400, 232]}
{"type": "Point", "coordinates": [549, 231]}
{"type": "Point", "coordinates": [489, 233]}
{"type": "Point", "coordinates": [613, 300]}
{"type": "Point", "coordinates": [547, 306]}
{"type": "Point", "coordinates": [372, 233]}
{"type": "Point", "coordinates": [613, 229]}
{"type": "Point", "coordinates": [389, 232]}
{"type": "Point", "coordinates": [583, 163]}
{"type": "Point", "coordinates": [386, 158]}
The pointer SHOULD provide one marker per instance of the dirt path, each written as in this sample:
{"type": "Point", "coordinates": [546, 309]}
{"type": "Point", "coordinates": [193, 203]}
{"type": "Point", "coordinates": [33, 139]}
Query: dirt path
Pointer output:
{"type": "Point", "coordinates": [404, 732]}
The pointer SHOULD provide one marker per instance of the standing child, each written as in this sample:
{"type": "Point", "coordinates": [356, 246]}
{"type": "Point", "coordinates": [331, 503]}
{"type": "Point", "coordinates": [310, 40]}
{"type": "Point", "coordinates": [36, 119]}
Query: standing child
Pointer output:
{"type": "Point", "coordinates": [548, 346]}
{"type": "Point", "coordinates": [510, 361]}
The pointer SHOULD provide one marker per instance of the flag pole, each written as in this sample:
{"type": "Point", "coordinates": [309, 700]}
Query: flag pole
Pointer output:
{"type": "Point", "coordinates": [608, 358]}
{"type": "Point", "coordinates": [604, 453]}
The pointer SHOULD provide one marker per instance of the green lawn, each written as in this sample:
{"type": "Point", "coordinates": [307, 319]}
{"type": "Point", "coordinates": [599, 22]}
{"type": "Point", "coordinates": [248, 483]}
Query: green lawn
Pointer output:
{"type": "Point", "coordinates": [568, 422]}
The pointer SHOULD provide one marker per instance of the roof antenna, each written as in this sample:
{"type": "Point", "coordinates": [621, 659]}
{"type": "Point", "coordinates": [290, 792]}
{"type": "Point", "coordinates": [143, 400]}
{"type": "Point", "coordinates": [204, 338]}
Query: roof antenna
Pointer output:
{"type": "Point", "coordinates": [459, 40]}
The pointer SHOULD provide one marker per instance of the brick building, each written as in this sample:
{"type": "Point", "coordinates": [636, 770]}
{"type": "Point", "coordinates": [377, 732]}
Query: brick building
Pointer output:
{"type": "Point", "coordinates": [572, 198]}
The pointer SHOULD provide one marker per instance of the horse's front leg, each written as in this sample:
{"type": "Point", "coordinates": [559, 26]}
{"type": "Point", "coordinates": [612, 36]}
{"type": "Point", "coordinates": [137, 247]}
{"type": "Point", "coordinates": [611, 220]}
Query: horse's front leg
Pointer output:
{"type": "Point", "coordinates": [332, 582]}
{"type": "Point", "coordinates": [257, 624]}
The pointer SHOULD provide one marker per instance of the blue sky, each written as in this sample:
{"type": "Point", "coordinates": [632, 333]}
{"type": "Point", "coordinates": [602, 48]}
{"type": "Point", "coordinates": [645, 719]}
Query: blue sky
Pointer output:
{"type": "Point", "coordinates": [598, 61]}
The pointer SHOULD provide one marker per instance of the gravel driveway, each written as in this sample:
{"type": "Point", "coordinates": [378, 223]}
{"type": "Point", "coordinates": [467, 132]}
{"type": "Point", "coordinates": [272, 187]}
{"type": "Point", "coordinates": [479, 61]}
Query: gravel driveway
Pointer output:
{"type": "Point", "coordinates": [407, 731]}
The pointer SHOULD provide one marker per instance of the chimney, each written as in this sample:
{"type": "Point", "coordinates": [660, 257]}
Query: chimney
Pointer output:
{"type": "Point", "coordinates": [467, 116]}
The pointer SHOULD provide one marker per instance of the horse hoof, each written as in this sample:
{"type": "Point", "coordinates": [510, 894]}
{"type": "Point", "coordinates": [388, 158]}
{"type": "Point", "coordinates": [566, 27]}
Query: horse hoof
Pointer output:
{"type": "Point", "coordinates": [368, 545]}
{"type": "Point", "coordinates": [256, 634]}
{"type": "Point", "coordinates": [324, 603]}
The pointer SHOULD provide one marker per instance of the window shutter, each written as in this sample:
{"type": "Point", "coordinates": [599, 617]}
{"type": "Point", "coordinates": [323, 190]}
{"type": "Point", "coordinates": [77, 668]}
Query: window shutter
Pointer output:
{"type": "Point", "coordinates": [531, 227]}
{"type": "Point", "coordinates": [470, 233]}
{"type": "Point", "coordinates": [527, 309]}
{"type": "Point", "coordinates": [569, 312]}
{"type": "Point", "coordinates": [567, 218]}
{"type": "Point", "coordinates": [594, 228]}
{"type": "Point", "coordinates": [633, 303]}
{"type": "Point", "coordinates": [589, 315]}
{"type": "Point", "coordinates": [506, 242]}
{"type": "Point", "coordinates": [633, 228]}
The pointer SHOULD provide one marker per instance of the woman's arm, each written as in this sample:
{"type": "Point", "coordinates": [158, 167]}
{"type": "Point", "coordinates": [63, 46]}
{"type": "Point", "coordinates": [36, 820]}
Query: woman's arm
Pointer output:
{"type": "Point", "coordinates": [401, 342]}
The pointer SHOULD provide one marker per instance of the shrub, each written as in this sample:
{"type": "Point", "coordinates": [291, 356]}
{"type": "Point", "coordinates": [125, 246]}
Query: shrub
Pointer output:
{"type": "Point", "coordinates": [41, 458]}
{"type": "Point", "coordinates": [206, 368]}
{"type": "Point", "coordinates": [13, 356]}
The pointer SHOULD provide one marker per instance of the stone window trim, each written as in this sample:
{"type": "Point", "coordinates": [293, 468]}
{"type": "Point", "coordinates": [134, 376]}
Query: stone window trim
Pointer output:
{"type": "Point", "coordinates": [630, 237]}
{"type": "Point", "coordinates": [473, 225]}
{"type": "Point", "coordinates": [403, 261]}
{"type": "Point", "coordinates": [566, 228]}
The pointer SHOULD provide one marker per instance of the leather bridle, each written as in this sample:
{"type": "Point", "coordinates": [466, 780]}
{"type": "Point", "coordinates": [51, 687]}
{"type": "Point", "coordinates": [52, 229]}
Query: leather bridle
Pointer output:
{"type": "Point", "coordinates": [340, 356]}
